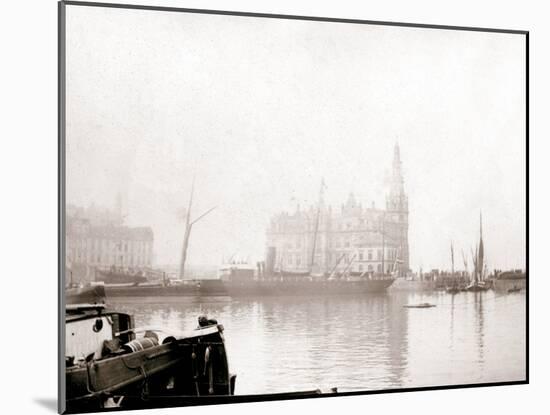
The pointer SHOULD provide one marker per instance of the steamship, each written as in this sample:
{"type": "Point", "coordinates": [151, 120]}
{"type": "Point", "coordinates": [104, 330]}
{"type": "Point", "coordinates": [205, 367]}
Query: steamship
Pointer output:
{"type": "Point", "coordinates": [243, 280]}
{"type": "Point", "coordinates": [267, 278]}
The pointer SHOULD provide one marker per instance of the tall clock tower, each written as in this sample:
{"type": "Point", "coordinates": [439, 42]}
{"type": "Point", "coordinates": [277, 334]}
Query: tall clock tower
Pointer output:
{"type": "Point", "coordinates": [397, 211]}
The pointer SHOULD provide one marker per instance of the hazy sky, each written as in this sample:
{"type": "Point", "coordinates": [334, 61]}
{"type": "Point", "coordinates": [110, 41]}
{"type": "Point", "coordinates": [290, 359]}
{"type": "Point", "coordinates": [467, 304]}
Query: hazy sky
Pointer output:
{"type": "Point", "coordinates": [262, 109]}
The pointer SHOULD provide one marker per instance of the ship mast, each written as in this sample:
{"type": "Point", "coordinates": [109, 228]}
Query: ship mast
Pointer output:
{"type": "Point", "coordinates": [316, 230]}
{"type": "Point", "coordinates": [465, 260]}
{"type": "Point", "coordinates": [383, 244]}
{"type": "Point", "coordinates": [480, 252]}
{"type": "Point", "coordinates": [188, 225]}
{"type": "Point", "coordinates": [452, 261]}
{"type": "Point", "coordinates": [474, 260]}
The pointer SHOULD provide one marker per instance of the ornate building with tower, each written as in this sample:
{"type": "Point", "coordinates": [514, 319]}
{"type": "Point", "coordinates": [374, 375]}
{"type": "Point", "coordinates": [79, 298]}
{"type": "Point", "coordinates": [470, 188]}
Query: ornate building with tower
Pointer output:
{"type": "Point", "coordinates": [353, 238]}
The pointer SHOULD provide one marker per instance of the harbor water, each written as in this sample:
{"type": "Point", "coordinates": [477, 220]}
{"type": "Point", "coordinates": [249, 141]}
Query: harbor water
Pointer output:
{"type": "Point", "coordinates": [355, 343]}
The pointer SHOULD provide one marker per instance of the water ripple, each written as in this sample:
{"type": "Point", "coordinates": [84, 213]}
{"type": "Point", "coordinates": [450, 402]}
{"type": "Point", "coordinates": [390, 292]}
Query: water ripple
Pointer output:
{"type": "Point", "coordinates": [356, 343]}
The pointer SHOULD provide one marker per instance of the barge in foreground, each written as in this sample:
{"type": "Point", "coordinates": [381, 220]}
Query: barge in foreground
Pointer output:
{"type": "Point", "coordinates": [108, 366]}
{"type": "Point", "coordinates": [110, 363]}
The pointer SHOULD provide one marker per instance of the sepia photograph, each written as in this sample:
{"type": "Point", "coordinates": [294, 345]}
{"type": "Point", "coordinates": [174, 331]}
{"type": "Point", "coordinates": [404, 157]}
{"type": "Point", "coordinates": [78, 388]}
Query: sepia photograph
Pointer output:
{"type": "Point", "coordinates": [266, 207]}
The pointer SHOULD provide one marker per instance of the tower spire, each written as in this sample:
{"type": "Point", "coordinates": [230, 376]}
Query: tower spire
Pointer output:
{"type": "Point", "coordinates": [397, 187]}
{"type": "Point", "coordinates": [398, 207]}
{"type": "Point", "coordinates": [396, 154]}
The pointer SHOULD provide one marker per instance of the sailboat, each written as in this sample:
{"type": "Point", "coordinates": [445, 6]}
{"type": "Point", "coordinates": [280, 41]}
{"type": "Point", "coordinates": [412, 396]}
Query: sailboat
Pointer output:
{"type": "Point", "coordinates": [478, 282]}
{"type": "Point", "coordinates": [111, 363]}
{"type": "Point", "coordinates": [454, 289]}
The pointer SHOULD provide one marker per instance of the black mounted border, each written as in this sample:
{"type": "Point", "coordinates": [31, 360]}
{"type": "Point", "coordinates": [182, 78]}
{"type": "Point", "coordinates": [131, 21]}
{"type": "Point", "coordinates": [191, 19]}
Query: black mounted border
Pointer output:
{"type": "Point", "coordinates": [61, 189]}
{"type": "Point", "coordinates": [61, 240]}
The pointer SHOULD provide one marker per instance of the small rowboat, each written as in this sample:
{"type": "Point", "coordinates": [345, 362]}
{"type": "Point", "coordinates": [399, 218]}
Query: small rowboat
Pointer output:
{"type": "Point", "coordinates": [421, 305]}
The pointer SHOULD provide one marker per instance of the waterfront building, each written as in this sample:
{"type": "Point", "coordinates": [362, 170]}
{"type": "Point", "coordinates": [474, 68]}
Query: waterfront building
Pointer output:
{"type": "Point", "coordinates": [353, 238]}
{"type": "Point", "coordinates": [98, 240]}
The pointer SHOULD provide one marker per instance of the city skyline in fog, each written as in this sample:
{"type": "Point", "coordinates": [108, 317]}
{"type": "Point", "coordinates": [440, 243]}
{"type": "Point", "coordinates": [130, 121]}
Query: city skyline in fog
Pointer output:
{"type": "Point", "coordinates": [261, 110]}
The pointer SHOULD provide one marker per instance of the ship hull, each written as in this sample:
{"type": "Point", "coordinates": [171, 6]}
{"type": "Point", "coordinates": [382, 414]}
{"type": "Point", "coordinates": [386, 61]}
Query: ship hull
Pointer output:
{"type": "Point", "coordinates": [413, 285]}
{"type": "Point", "coordinates": [300, 288]}
{"type": "Point", "coordinates": [110, 277]}
{"type": "Point", "coordinates": [164, 371]}
{"type": "Point", "coordinates": [197, 288]}
{"type": "Point", "coordinates": [255, 288]}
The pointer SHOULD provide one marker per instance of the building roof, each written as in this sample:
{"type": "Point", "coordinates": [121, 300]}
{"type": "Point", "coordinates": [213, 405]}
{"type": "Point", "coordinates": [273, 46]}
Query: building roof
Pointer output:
{"type": "Point", "coordinates": [82, 228]}
{"type": "Point", "coordinates": [143, 233]}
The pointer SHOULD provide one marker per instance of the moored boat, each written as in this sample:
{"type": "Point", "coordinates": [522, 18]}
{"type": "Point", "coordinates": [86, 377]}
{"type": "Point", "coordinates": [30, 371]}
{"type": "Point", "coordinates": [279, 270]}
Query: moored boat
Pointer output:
{"type": "Point", "coordinates": [120, 276]}
{"type": "Point", "coordinates": [111, 363]}
{"type": "Point", "coordinates": [406, 284]}
{"type": "Point", "coordinates": [307, 286]}
{"type": "Point", "coordinates": [510, 281]}
{"type": "Point", "coordinates": [454, 288]}
{"type": "Point", "coordinates": [285, 285]}
{"type": "Point", "coordinates": [479, 282]}
{"type": "Point", "coordinates": [204, 287]}
{"type": "Point", "coordinates": [85, 295]}
{"type": "Point", "coordinates": [421, 305]}
{"type": "Point", "coordinates": [477, 287]}
{"type": "Point", "coordinates": [240, 280]}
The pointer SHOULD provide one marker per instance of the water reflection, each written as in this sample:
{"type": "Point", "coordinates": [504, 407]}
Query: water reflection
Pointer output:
{"type": "Point", "coordinates": [356, 343]}
{"type": "Point", "coordinates": [479, 317]}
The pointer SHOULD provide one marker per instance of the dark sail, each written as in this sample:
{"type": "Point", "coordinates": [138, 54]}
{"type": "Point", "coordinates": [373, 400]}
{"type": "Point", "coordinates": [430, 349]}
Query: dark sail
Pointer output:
{"type": "Point", "coordinates": [480, 253]}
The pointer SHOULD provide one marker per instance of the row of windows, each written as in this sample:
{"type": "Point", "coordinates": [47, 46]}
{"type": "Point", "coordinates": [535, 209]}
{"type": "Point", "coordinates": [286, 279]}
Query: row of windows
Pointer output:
{"type": "Point", "coordinates": [123, 246]}
{"type": "Point", "coordinates": [297, 262]}
{"type": "Point", "coordinates": [345, 258]}
{"type": "Point", "coordinates": [106, 259]}
{"type": "Point", "coordinates": [366, 255]}
{"type": "Point", "coordinates": [294, 261]}
{"type": "Point", "coordinates": [341, 226]}
{"type": "Point", "coordinates": [369, 255]}
{"type": "Point", "coordinates": [335, 242]}
{"type": "Point", "coordinates": [370, 268]}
